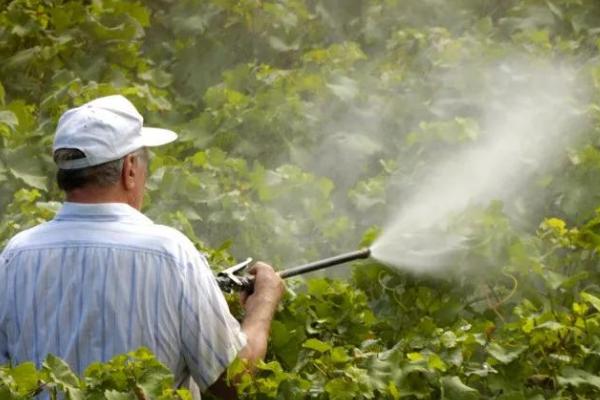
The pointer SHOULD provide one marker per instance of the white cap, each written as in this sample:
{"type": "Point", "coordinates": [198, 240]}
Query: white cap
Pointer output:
{"type": "Point", "coordinates": [105, 129]}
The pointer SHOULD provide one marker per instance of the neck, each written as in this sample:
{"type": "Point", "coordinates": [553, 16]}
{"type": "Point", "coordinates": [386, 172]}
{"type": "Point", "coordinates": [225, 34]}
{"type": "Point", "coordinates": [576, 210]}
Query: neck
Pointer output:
{"type": "Point", "coordinates": [93, 195]}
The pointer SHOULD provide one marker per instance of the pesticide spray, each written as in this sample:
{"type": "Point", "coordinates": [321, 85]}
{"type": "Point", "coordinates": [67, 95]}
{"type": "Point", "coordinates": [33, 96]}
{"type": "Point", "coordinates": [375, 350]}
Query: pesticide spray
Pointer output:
{"type": "Point", "coordinates": [525, 128]}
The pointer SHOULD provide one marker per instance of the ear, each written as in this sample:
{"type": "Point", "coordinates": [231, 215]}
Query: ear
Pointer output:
{"type": "Point", "coordinates": [128, 173]}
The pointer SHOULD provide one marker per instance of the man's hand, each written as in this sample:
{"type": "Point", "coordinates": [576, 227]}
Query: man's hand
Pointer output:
{"type": "Point", "coordinates": [268, 287]}
{"type": "Point", "coordinates": [260, 307]}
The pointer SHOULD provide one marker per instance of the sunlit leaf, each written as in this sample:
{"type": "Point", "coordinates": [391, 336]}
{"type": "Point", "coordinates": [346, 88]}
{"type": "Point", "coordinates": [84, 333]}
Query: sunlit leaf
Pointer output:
{"type": "Point", "coordinates": [316, 344]}
{"type": "Point", "coordinates": [503, 354]}
{"type": "Point", "coordinates": [453, 388]}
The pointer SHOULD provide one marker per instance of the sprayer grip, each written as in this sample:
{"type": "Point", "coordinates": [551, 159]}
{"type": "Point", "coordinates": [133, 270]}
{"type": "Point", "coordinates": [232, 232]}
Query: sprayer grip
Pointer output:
{"type": "Point", "coordinates": [229, 284]}
{"type": "Point", "coordinates": [247, 284]}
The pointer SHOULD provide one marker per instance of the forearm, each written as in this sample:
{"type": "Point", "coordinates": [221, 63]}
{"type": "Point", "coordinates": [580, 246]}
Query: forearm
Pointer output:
{"type": "Point", "coordinates": [260, 307]}
{"type": "Point", "coordinates": [256, 325]}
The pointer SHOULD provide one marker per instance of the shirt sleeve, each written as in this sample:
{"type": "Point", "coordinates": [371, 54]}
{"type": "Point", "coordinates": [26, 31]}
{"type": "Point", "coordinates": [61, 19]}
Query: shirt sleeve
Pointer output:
{"type": "Point", "coordinates": [211, 337]}
{"type": "Point", "coordinates": [4, 356]}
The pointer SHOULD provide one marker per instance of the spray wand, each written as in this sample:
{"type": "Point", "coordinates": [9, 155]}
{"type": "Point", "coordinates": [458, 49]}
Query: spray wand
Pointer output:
{"type": "Point", "coordinates": [230, 281]}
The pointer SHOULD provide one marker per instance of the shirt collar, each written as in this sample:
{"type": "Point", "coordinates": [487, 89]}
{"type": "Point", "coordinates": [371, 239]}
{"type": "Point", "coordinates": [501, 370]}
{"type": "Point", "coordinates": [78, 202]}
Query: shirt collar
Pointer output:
{"type": "Point", "coordinates": [100, 212]}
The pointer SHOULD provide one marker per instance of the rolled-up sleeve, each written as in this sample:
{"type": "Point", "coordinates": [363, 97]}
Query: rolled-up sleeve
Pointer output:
{"type": "Point", "coordinates": [211, 337]}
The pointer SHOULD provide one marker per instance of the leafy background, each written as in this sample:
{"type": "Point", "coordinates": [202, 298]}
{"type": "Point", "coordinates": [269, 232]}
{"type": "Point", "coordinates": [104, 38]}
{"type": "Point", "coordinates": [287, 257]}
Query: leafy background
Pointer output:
{"type": "Point", "coordinates": [302, 123]}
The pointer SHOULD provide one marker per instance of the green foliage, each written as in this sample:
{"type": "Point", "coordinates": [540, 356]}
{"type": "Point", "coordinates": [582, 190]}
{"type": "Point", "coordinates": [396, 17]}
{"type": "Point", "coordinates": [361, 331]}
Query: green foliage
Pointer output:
{"type": "Point", "coordinates": [135, 375]}
{"type": "Point", "coordinates": [527, 331]}
{"type": "Point", "coordinates": [302, 124]}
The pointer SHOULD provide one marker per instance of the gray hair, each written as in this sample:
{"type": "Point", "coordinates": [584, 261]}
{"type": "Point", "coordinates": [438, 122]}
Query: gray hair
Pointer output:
{"type": "Point", "coordinates": [102, 175]}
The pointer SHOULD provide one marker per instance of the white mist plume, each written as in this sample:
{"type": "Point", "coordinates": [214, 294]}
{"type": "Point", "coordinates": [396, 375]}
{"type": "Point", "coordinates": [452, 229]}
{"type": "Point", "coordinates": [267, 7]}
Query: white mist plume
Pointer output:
{"type": "Point", "coordinates": [525, 127]}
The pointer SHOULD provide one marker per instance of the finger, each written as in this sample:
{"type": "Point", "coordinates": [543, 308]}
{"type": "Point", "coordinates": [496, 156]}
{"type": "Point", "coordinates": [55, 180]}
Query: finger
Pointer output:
{"type": "Point", "coordinates": [257, 266]}
{"type": "Point", "coordinates": [243, 297]}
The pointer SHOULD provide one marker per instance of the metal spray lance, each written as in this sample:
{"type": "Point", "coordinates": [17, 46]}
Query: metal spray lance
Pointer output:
{"type": "Point", "coordinates": [230, 281]}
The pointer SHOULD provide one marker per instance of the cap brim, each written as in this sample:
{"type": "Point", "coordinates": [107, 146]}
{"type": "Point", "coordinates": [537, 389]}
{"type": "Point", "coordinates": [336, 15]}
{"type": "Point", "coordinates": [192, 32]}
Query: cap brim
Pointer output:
{"type": "Point", "coordinates": [157, 137]}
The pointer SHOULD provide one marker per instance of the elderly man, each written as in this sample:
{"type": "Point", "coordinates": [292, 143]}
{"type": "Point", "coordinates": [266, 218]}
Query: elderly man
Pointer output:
{"type": "Point", "coordinates": [102, 279]}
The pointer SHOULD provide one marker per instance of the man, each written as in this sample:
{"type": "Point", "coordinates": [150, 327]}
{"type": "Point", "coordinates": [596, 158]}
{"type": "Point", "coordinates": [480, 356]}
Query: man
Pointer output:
{"type": "Point", "coordinates": [102, 279]}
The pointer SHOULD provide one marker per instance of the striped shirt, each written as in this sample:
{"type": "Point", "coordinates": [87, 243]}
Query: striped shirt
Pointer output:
{"type": "Point", "coordinates": [103, 279]}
